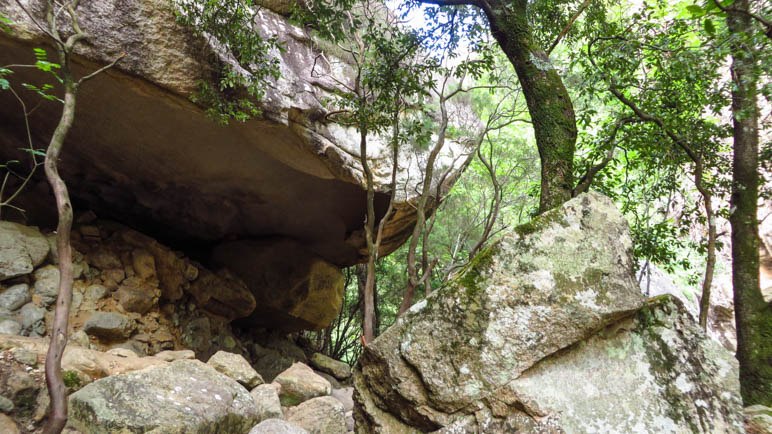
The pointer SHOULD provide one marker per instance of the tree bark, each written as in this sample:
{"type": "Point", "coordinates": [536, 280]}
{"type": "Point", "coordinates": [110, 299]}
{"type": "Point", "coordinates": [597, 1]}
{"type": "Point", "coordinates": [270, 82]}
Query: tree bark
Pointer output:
{"type": "Point", "coordinates": [753, 316]}
{"type": "Point", "coordinates": [549, 104]}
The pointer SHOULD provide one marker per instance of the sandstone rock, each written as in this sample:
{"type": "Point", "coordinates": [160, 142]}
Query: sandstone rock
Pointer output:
{"type": "Point", "coordinates": [222, 294]}
{"type": "Point", "coordinates": [185, 396]}
{"type": "Point", "coordinates": [14, 297]}
{"type": "Point", "coordinates": [109, 326]}
{"type": "Point", "coordinates": [171, 356]}
{"type": "Point", "coordinates": [32, 319]}
{"type": "Point", "coordinates": [267, 401]}
{"type": "Point", "coordinates": [336, 368]}
{"type": "Point", "coordinates": [9, 327]}
{"type": "Point", "coordinates": [6, 405]}
{"type": "Point", "coordinates": [22, 248]}
{"type": "Point", "coordinates": [143, 263]}
{"type": "Point", "coordinates": [269, 362]}
{"type": "Point", "coordinates": [322, 415]}
{"type": "Point", "coordinates": [758, 419]}
{"type": "Point", "coordinates": [276, 426]}
{"type": "Point", "coordinates": [47, 284]}
{"type": "Point", "coordinates": [305, 292]}
{"type": "Point", "coordinates": [345, 396]}
{"type": "Point", "coordinates": [236, 367]}
{"type": "Point", "coordinates": [7, 425]}
{"type": "Point", "coordinates": [79, 338]}
{"type": "Point", "coordinates": [299, 383]}
{"type": "Point", "coordinates": [25, 356]}
{"type": "Point", "coordinates": [137, 296]}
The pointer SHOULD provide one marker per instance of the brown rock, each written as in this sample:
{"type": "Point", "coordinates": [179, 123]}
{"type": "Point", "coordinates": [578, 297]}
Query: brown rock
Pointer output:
{"type": "Point", "coordinates": [136, 295]}
{"type": "Point", "coordinates": [7, 425]}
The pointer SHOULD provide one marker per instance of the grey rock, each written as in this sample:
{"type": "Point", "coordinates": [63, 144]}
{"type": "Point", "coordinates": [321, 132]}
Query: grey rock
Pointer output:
{"type": "Point", "coordinates": [95, 292]}
{"type": "Point", "coordinates": [553, 304]}
{"type": "Point", "coordinates": [345, 396]}
{"type": "Point", "coordinates": [15, 297]}
{"type": "Point", "coordinates": [9, 327]}
{"type": "Point", "coordinates": [109, 326]}
{"type": "Point", "coordinates": [276, 426]}
{"type": "Point", "coordinates": [80, 338]}
{"type": "Point", "coordinates": [22, 248]}
{"type": "Point", "coordinates": [136, 295]}
{"type": "Point", "coordinates": [186, 396]}
{"type": "Point", "coordinates": [171, 356]}
{"type": "Point", "coordinates": [322, 415]}
{"type": "Point", "coordinates": [299, 383]}
{"type": "Point", "coordinates": [47, 284]}
{"type": "Point", "coordinates": [32, 319]}
{"type": "Point", "coordinates": [25, 357]}
{"type": "Point", "coordinates": [236, 367]}
{"type": "Point", "coordinates": [267, 401]}
{"type": "Point", "coordinates": [336, 368]}
{"type": "Point", "coordinates": [350, 421]}
{"type": "Point", "coordinates": [6, 405]}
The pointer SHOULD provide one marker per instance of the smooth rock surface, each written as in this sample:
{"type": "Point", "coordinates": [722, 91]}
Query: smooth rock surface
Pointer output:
{"type": "Point", "coordinates": [276, 426]}
{"type": "Point", "coordinates": [322, 415]}
{"type": "Point", "coordinates": [235, 367]}
{"type": "Point", "coordinates": [336, 368]}
{"type": "Point", "coordinates": [22, 248]}
{"type": "Point", "coordinates": [10, 327]}
{"type": "Point", "coordinates": [553, 304]}
{"type": "Point", "coordinates": [15, 297]}
{"type": "Point", "coordinates": [267, 401]}
{"type": "Point", "coordinates": [187, 396]}
{"type": "Point", "coordinates": [299, 383]}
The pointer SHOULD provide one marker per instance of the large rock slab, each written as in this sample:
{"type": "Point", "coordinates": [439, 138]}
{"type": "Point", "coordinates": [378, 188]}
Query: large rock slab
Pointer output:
{"type": "Point", "coordinates": [22, 248]}
{"type": "Point", "coordinates": [293, 288]}
{"type": "Point", "coordinates": [156, 157]}
{"type": "Point", "coordinates": [466, 359]}
{"type": "Point", "coordinates": [187, 396]}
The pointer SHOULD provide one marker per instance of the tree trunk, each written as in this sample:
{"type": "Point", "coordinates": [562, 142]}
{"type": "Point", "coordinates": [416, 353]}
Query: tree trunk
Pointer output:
{"type": "Point", "coordinates": [56, 389]}
{"type": "Point", "coordinates": [753, 315]}
{"type": "Point", "coordinates": [549, 104]}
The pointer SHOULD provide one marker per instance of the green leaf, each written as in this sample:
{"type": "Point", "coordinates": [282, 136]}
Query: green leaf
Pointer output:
{"type": "Point", "coordinates": [696, 10]}
{"type": "Point", "coordinates": [4, 85]}
{"type": "Point", "coordinates": [710, 28]}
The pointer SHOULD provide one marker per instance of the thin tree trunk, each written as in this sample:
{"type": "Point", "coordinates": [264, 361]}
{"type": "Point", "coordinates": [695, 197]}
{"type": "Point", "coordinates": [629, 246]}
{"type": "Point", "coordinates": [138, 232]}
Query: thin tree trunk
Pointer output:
{"type": "Point", "coordinates": [753, 316]}
{"type": "Point", "coordinates": [56, 388]}
{"type": "Point", "coordinates": [710, 262]}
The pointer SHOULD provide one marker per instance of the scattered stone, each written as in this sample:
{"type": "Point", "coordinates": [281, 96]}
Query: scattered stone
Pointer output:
{"type": "Point", "coordinates": [47, 284]}
{"type": "Point", "coordinates": [91, 232]}
{"type": "Point", "coordinates": [322, 415]}
{"type": "Point", "coordinates": [6, 405]}
{"type": "Point", "coordinates": [345, 396]}
{"type": "Point", "coordinates": [236, 367]}
{"type": "Point", "coordinates": [758, 419]}
{"type": "Point", "coordinates": [95, 292]}
{"type": "Point", "coordinates": [143, 263]}
{"type": "Point", "coordinates": [25, 357]}
{"type": "Point", "coordinates": [171, 356]}
{"type": "Point", "coordinates": [137, 296]}
{"type": "Point", "coordinates": [156, 400]}
{"type": "Point", "coordinates": [299, 383]}
{"type": "Point", "coordinates": [32, 319]}
{"type": "Point", "coordinates": [267, 401]}
{"type": "Point", "coordinates": [7, 425]}
{"type": "Point", "coordinates": [109, 326]}
{"type": "Point", "coordinates": [15, 297]}
{"type": "Point", "coordinates": [276, 426]}
{"type": "Point", "coordinates": [337, 369]}
{"type": "Point", "coordinates": [10, 327]}
{"type": "Point", "coordinates": [22, 248]}
{"type": "Point", "coordinates": [80, 338]}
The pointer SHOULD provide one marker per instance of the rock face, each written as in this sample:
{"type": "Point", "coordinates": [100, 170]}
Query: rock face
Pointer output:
{"type": "Point", "coordinates": [172, 399]}
{"type": "Point", "coordinates": [22, 248]}
{"type": "Point", "coordinates": [292, 288]}
{"type": "Point", "coordinates": [157, 157]}
{"type": "Point", "coordinates": [543, 328]}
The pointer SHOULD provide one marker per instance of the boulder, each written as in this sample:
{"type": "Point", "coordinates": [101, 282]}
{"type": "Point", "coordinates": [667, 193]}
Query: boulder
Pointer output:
{"type": "Point", "coordinates": [184, 396]}
{"type": "Point", "coordinates": [47, 284]}
{"type": "Point", "coordinates": [9, 327]}
{"type": "Point", "coordinates": [14, 297]}
{"type": "Point", "coordinates": [32, 320]}
{"type": "Point", "coordinates": [322, 415]}
{"type": "Point", "coordinates": [758, 419]}
{"type": "Point", "coordinates": [299, 383]}
{"type": "Point", "coordinates": [171, 356]}
{"type": "Point", "coordinates": [276, 426]}
{"type": "Point", "coordinates": [7, 425]}
{"type": "Point", "coordinates": [336, 368]}
{"type": "Point", "coordinates": [267, 401]}
{"type": "Point", "coordinates": [22, 248]}
{"type": "Point", "coordinates": [551, 304]}
{"type": "Point", "coordinates": [304, 292]}
{"type": "Point", "coordinates": [345, 396]}
{"type": "Point", "coordinates": [134, 295]}
{"type": "Point", "coordinates": [236, 367]}
{"type": "Point", "coordinates": [109, 326]}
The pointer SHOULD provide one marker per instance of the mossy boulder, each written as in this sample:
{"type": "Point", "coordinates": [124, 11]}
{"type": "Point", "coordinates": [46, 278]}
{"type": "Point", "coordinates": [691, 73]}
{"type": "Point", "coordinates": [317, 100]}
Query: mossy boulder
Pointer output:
{"type": "Point", "coordinates": [539, 293]}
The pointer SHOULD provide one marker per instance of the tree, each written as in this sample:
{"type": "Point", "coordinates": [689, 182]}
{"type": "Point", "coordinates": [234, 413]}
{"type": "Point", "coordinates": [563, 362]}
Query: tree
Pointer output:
{"type": "Point", "coordinates": [753, 315]}
{"type": "Point", "coordinates": [65, 48]}
{"type": "Point", "coordinates": [549, 103]}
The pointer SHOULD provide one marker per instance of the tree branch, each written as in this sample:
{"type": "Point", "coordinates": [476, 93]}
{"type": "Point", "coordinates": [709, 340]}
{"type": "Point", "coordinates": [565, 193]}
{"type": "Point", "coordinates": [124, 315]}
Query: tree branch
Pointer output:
{"type": "Point", "coordinates": [568, 26]}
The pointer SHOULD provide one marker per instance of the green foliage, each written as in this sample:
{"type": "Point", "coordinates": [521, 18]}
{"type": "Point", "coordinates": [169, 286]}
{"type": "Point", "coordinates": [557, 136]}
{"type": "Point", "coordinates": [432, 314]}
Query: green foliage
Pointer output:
{"type": "Point", "coordinates": [231, 24]}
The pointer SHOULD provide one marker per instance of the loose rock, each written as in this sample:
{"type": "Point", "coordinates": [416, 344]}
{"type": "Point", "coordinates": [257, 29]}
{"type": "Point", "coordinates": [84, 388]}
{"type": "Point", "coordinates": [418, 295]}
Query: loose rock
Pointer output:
{"type": "Point", "coordinates": [323, 415]}
{"type": "Point", "coordinates": [267, 401]}
{"type": "Point", "coordinates": [276, 426]}
{"type": "Point", "coordinates": [32, 320]}
{"type": "Point", "coordinates": [109, 326]}
{"type": "Point", "coordinates": [15, 297]}
{"type": "Point", "coordinates": [47, 284]}
{"type": "Point", "coordinates": [336, 368]}
{"type": "Point", "coordinates": [10, 327]}
{"type": "Point", "coordinates": [22, 248]}
{"type": "Point", "coordinates": [236, 367]}
{"type": "Point", "coordinates": [299, 383]}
